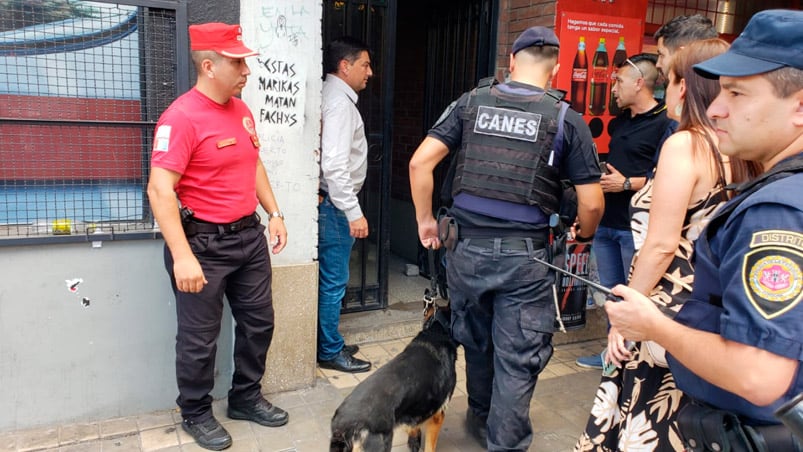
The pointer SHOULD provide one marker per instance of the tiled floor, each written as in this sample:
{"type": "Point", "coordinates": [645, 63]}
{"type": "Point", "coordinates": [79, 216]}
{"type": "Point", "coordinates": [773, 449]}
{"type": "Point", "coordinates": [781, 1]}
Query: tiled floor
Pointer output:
{"type": "Point", "coordinates": [559, 411]}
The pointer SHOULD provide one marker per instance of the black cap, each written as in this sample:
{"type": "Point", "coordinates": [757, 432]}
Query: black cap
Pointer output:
{"type": "Point", "coordinates": [535, 36]}
{"type": "Point", "coordinates": [771, 40]}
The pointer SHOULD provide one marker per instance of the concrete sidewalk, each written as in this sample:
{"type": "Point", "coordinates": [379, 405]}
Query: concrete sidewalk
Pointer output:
{"type": "Point", "coordinates": [559, 411]}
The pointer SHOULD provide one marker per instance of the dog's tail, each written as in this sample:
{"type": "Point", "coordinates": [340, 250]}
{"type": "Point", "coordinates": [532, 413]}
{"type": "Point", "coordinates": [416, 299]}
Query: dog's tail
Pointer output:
{"type": "Point", "coordinates": [339, 442]}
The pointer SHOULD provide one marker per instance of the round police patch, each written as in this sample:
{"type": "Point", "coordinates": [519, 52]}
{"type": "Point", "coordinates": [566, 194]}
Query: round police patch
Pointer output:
{"type": "Point", "coordinates": [445, 114]}
{"type": "Point", "coordinates": [772, 279]}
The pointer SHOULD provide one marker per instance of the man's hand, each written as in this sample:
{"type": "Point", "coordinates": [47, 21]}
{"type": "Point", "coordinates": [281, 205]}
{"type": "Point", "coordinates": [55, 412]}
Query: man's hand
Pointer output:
{"type": "Point", "coordinates": [189, 274]}
{"type": "Point", "coordinates": [278, 234]}
{"type": "Point", "coordinates": [617, 351]}
{"type": "Point", "coordinates": [359, 228]}
{"type": "Point", "coordinates": [428, 233]}
{"type": "Point", "coordinates": [636, 316]}
{"type": "Point", "coordinates": [612, 182]}
{"type": "Point", "coordinates": [577, 234]}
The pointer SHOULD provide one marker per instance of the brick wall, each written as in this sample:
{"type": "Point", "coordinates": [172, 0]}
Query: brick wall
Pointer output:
{"type": "Point", "coordinates": [516, 16]}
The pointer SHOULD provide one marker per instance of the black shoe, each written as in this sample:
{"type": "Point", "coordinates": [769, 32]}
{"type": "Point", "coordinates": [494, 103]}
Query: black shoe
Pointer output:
{"type": "Point", "coordinates": [209, 434]}
{"type": "Point", "coordinates": [262, 412]}
{"type": "Point", "coordinates": [477, 427]}
{"type": "Point", "coordinates": [346, 363]}
{"type": "Point", "coordinates": [351, 349]}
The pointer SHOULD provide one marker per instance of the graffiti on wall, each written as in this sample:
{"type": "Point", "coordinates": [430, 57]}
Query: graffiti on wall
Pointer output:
{"type": "Point", "coordinates": [284, 94]}
{"type": "Point", "coordinates": [281, 85]}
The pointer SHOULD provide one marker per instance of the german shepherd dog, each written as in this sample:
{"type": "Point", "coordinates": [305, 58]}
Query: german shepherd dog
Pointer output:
{"type": "Point", "coordinates": [411, 390]}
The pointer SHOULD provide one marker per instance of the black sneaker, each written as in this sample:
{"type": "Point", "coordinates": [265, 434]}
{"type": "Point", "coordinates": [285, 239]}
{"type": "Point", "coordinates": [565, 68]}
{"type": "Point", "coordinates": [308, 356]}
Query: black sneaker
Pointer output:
{"type": "Point", "coordinates": [262, 412]}
{"type": "Point", "coordinates": [209, 434]}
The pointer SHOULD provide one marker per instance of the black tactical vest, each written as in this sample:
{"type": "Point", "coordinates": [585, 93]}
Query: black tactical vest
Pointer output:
{"type": "Point", "coordinates": [507, 148]}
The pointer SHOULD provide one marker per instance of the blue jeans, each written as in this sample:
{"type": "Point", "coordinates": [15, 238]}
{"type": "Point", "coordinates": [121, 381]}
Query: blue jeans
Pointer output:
{"type": "Point", "coordinates": [614, 250]}
{"type": "Point", "coordinates": [334, 251]}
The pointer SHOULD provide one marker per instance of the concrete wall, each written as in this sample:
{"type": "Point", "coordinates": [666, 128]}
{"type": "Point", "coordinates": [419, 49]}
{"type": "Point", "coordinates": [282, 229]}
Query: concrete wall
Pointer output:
{"type": "Point", "coordinates": [62, 361]}
{"type": "Point", "coordinates": [284, 93]}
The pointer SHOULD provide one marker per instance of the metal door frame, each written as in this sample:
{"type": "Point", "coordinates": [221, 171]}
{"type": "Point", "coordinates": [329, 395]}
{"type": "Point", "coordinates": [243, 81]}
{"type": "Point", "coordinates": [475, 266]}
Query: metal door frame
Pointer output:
{"type": "Point", "coordinates": [481, 21]}
{"type": "Point", "coordinates": [369, 296]}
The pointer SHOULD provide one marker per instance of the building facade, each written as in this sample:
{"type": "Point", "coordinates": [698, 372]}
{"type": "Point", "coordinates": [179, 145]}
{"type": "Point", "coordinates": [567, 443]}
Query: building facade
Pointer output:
{"type": "Point", "coordinates": [87, 318]}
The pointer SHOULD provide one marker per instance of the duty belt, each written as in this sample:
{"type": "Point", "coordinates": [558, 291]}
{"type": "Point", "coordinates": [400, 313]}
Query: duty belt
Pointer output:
{"type": "Point", "coordinates": [510, 239]}
{"type": "Point", "coordinates": [705, 428]}
{"type": "Point", "coordinates": [774, 437]}
{"type": "Point", "coordinates": [195, 226]}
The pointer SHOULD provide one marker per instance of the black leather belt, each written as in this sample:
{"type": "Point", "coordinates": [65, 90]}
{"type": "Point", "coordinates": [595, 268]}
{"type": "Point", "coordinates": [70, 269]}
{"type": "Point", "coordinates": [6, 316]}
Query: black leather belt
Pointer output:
{"type": "Point", "coordinates": [775, 437]}
{"type": "Point", "coordinates": [509, 243]}
{"type": "Point", "coordinates": [705, 428]}
{"type": "Point", "coordinates": [195, 226]}
{"type": "Point", "coordinates": [512, 239]}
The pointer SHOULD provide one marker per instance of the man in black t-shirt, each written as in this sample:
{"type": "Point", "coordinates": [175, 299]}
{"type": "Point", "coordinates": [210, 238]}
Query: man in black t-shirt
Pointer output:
{"type": "Point", "coordinates": [635, 136]}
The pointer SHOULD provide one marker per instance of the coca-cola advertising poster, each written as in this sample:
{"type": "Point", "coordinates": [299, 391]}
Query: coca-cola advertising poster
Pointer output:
{"type": "Point", "coordinates": [591, 46]}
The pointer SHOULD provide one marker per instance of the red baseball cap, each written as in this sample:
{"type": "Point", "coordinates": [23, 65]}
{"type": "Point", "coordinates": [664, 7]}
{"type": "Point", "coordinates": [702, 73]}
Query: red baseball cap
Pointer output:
{"type": "Point", "coordinates": [224, 39]}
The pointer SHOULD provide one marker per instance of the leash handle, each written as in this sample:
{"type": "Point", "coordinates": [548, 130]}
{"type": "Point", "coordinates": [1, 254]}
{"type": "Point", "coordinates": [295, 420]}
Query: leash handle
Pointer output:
{"type": "Point", "coordinates": [431, 292]}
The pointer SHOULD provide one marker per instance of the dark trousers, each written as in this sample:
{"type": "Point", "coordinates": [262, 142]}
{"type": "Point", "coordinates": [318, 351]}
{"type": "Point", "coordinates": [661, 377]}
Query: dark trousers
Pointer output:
{"type": "Point", "coordinates": [237, 265]}
{"type": "Point", "coordinates": [503, 315]}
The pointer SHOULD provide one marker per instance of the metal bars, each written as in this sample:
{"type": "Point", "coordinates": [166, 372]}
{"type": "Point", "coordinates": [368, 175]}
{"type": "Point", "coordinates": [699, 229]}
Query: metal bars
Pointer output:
{"type": "Point", "coordinates": [82, 85]}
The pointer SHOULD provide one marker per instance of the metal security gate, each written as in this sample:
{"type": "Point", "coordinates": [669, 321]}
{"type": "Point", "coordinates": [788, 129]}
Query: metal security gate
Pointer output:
{"type": "Point", "coordinates": [462, 40]}
{"type": "Point", "coordinates": [460, 49]}
{"type": "Point", "coordinates": [373, 23]}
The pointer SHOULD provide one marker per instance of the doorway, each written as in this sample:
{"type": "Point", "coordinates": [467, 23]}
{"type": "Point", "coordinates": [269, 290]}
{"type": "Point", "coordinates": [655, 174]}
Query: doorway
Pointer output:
{"type": "Point", "coordinates": [424, 55]}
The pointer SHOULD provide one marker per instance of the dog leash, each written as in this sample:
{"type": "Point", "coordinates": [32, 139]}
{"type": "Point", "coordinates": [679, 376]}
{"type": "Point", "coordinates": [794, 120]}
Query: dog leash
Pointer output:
{"type": "Point", "coordinates": [432, 291]}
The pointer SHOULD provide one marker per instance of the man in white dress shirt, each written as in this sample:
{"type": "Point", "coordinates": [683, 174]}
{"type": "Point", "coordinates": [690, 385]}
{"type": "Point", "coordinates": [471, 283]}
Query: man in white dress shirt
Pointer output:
{"type": "Point", "coordinates": [344, 152]}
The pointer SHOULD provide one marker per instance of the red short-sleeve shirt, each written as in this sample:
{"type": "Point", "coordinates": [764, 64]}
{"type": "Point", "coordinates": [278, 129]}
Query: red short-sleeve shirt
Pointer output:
{"type": "Point", "coordinates": [215, 149]}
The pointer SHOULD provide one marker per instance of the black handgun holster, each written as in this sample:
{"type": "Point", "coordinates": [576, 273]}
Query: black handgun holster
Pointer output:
{"type": "Point", "coordinates": [447, 232]}
{"type": "Point", "coordinates": [187, 215]}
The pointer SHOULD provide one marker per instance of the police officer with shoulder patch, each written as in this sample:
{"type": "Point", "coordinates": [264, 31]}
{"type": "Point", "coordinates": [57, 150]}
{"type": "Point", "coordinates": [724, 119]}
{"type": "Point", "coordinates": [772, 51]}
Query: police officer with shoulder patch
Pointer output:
{"type": "Point", "coordinates": [513, 142]}
{"type": "Point", "coordinates": [736, 346]}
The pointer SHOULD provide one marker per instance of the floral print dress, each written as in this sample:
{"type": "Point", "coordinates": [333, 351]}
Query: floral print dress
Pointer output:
{"type": "Point", "coordinates": [635, 408]}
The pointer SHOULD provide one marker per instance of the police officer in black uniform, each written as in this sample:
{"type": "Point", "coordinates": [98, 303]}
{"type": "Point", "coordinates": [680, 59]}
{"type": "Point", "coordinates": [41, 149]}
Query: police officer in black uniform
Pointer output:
{"type": "Point", "coordinates": [736, 346]}
{"type": "Point", "coordinates": [513, 144]}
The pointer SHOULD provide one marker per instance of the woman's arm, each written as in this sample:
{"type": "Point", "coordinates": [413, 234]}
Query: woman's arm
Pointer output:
{"type": "Point", "coordinates": [676, 176]}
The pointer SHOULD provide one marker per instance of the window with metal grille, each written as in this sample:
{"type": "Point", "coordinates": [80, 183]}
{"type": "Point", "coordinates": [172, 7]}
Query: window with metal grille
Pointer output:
{"type": "Point", "coordinates": [82, 85]}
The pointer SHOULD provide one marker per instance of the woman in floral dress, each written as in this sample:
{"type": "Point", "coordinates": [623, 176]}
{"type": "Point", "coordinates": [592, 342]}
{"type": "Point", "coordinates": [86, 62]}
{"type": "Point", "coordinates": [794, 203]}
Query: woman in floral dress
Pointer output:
{"type": "Point", "coordinates": [635, 407]}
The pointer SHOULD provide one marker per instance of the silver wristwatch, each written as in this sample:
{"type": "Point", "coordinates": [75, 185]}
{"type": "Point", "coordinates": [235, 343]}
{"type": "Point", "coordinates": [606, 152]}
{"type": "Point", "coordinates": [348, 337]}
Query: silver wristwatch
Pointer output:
{"type": "Point", "coordinates": [276, 214]}
{"type": "Point", "coordinates": [626, 185]}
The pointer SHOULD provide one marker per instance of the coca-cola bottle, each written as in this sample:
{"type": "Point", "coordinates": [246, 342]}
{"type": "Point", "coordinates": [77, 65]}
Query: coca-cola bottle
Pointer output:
{"type": "Point", "coordinates": [619, 58]}
{"type": "Point", "coordinates": [580, 78]}
{"type": "Point", "coordinates": [599, 80]}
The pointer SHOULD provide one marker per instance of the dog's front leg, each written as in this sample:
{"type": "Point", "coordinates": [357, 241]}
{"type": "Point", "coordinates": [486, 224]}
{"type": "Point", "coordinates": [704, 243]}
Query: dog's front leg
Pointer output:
{"type": "Point", "coordinates": [432, 428]}
{"type": "Point", "coordinates": [414, 439]}
{"type": "Point", "coordinates": [376, 442]}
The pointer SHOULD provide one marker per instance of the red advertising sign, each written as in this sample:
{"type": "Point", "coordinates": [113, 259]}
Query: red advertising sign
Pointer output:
{"type": "Point", "coordinates": [592, 45]}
